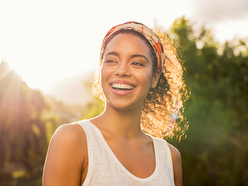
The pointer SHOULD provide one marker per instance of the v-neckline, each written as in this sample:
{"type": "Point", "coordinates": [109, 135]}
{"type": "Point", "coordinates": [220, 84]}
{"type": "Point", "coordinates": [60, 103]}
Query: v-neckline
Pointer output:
{"type": "Point", "coordinates": [152, 176]}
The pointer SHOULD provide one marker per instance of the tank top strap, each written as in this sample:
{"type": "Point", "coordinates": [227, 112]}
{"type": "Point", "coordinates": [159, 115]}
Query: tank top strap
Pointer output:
{"type": "Point", "coordinates": [165, 157]}
{"type": "Point", "coordinates": [91, 140]}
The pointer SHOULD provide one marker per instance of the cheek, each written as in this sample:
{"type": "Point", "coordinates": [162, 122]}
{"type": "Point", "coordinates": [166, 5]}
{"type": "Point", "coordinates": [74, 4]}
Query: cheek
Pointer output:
{"type": "Point", "coordinates": [104, 76]}
{"type": "Point", "coordinates": [146, 77]}
{"type": "Point", "coordinates": [106, 71]}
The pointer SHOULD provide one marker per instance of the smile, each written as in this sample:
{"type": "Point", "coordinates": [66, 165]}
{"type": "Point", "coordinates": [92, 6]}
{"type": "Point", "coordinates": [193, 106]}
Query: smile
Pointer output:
{"type": "Point", "coordinates": [122, 86]}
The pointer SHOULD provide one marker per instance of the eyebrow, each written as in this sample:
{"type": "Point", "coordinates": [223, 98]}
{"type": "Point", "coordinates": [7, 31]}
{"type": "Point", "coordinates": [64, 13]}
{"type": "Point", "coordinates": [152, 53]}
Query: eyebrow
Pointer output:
{"type": "Point", "coordinates": [139, 55]}
{"type": "Point", "coordinates": [112, 53]}
{"type": "Point", "coordinates": [133, 56]}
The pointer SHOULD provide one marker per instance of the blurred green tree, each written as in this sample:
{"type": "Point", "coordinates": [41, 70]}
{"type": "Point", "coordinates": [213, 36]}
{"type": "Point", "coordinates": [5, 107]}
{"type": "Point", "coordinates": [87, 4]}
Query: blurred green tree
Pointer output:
{"type": "Point", "coordinates": [215, 151]}
{"type": "Point", "coordinates": [93, 109]}
{"type": "Point", "coordinates": [23, 127]}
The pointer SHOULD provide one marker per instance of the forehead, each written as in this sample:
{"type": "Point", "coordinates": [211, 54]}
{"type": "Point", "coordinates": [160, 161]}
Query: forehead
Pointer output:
{"type": "Point", "coordinates": [127, 42]}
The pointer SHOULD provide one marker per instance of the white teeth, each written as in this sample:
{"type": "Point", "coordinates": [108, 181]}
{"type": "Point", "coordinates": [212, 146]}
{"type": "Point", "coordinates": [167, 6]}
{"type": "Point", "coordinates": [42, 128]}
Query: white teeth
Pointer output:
{"type": "Point", "coordinates": [122, 86]}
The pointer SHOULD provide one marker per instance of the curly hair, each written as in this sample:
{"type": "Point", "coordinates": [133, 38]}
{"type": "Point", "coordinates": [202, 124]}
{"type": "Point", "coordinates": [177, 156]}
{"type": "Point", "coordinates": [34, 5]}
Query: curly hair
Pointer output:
{"type": "Point", "coordinates": [161, 114]}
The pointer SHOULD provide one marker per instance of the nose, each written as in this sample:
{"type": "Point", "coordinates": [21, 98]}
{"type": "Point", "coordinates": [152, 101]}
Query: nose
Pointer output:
{"type": "Point", "coordinates": [123, 70]}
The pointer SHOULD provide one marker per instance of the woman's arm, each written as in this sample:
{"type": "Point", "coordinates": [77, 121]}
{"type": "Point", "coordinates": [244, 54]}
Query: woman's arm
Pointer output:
{"type": "Point", "coordinates": [177, 165]}
{"type": "Point", "coordinates": [66, 157]}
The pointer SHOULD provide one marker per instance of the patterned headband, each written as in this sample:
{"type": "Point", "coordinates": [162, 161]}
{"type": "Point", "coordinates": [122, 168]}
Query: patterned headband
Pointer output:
{"type": "Point", "coordinates": [145, 31]}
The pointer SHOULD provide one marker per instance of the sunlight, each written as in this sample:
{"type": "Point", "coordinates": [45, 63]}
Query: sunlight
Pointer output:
{"type": "Point", "coordinates": [46, 48]}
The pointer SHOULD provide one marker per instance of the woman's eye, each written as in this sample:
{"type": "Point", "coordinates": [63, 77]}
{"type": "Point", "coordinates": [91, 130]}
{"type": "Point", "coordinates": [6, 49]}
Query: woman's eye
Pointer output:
{"type": "Point", "coordinates": [110, 61]}
{"type": "Point", "coordinates": [137, 63]}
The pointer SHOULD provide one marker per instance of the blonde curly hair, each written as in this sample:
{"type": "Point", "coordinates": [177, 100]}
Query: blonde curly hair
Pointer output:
{"type": "Point", "coordinates": [162, 109]}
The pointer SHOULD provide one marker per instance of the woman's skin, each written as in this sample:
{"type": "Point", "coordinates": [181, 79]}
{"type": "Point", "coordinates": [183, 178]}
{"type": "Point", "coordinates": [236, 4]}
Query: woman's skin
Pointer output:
{"type": "Point", "coordinates": [126, 60]}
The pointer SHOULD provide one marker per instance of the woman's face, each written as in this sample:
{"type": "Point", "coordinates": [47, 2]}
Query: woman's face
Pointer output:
{"type": "Point", "coordinates": [126, 72]}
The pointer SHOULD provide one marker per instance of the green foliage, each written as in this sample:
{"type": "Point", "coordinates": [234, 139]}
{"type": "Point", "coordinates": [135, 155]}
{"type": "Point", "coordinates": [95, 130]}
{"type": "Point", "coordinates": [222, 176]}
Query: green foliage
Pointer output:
{"type": "Point", "coordinates": [215, 151]}
{"type": "Point", "coordinates": [93, 109]}
{"type": "Point", "coordinates": [22, 131]}
{"type": "Point", "coordinates": [64, 113]}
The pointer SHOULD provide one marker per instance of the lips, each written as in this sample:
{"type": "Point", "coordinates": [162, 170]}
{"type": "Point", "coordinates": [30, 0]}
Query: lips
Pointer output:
{"type": "Point", "coordinates": [122, 87]}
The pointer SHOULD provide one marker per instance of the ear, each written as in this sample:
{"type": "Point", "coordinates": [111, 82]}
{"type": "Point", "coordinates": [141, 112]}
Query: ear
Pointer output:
{"type": "Point", "coordinates": [155, 79]}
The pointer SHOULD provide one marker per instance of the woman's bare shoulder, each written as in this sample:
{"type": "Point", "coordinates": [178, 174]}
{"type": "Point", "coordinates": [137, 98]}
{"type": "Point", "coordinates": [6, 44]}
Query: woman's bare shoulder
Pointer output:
{"type": "Point", "coordinates": [66, 157]}
{"type": "Point", "coordinates": [69, 139]}
{"type": "Point", "coordinates": [69, 133]}
{"type": "Point", "coordinates": [177, 165]}
{"type": "Point", "coordinates": [174, 152]}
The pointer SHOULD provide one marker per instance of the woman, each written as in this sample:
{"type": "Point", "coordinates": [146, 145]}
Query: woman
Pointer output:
{"type": "Point", "coordinates": [140, 83]}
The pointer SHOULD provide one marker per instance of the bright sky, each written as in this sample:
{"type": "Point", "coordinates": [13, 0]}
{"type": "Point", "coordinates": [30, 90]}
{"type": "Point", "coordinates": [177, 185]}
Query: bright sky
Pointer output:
{"type": "Point", "coordinates": [48, 41]}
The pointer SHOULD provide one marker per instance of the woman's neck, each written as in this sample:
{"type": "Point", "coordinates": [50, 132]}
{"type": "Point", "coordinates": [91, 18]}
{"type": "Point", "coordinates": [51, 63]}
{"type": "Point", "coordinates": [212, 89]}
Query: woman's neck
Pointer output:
{"type": "Point", "coordinates": [123, 123]}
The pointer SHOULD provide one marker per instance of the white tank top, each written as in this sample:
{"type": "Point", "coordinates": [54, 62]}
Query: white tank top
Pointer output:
{"type": "Point", "coordinates": [105, 169]}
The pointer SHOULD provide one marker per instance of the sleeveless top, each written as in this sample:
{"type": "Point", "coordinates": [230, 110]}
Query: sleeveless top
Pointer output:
{"type": "Point", "coordinates": [105, 169]}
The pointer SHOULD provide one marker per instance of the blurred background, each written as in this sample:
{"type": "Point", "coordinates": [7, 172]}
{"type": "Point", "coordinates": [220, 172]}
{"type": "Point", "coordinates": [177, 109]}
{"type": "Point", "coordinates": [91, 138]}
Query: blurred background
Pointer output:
{"type": "Point", "coordinates": [49, 51]}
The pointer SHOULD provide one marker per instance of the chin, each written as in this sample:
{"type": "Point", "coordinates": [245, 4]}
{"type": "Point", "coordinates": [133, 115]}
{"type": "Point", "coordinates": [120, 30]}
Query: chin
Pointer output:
{"type": "Point", "coordinates": [124, 106]}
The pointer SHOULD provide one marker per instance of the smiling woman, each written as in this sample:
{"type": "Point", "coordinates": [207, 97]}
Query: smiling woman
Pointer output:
{"type": "Point", "coordinates": [140, 82]}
